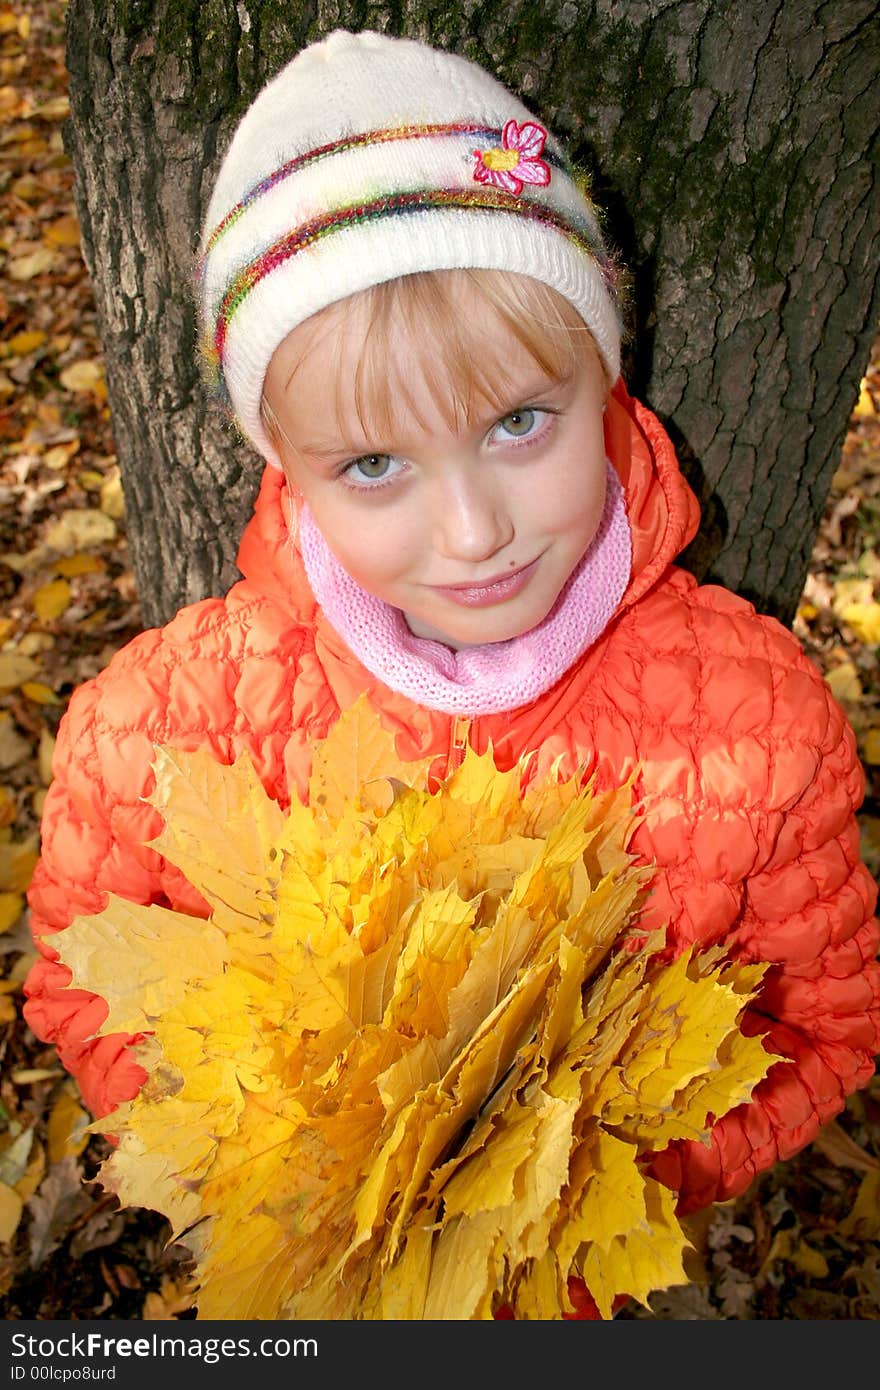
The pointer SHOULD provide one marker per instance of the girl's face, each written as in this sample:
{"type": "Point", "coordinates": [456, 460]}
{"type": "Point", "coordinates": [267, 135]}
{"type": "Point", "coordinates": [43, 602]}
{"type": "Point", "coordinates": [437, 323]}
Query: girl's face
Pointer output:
{"type": "Point", "coordinates": [470, 526]}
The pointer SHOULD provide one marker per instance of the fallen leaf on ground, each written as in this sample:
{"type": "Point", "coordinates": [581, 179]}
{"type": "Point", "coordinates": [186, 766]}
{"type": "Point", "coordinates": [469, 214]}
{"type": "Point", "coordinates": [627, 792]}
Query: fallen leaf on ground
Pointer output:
{"type": "Point", "coordinates": [22, 343]}
{"type": "Point", "coordinates": [51, 600]}
{"type": "Point", "coordinates": [15, 669]}
{"type": "Point", "coordinates": [844, 682]}
{"type": "Point", "coordinates": [66, 1127]}
{"type": "Point", "coordinates": [864, 1219]}
{"type": "Point", "coordinates": [864, 619]}
{"type": "Point", "coordinates": [37, 262]}
{"type": "Point", "coordinates": [11, 908]}
{"type": "Point", "coordinates": [64, 231]}
{"type": "Point", "coordinates": [79, 529]}
{"type": "Point", "coordinates": [59, 1200]}
{"type": "Point", "coordinates": [834, 1142]}
{"type": "Point", "coordinates": [11, 1208]}
{"type": "Point", "coordinates": [82, 376]}
{"type": "Point", "coordinates": [14, 748]}
{"type": "Point", "coordinates": [40, 693]}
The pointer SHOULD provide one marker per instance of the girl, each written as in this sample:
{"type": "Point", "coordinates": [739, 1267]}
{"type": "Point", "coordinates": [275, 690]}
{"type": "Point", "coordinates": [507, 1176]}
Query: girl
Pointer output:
{"type": "Point", "coordinates": [406, 298]}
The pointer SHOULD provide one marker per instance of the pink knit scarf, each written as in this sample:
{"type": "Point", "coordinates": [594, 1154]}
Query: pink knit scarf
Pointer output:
{"type": "Point", "coordinates": [499, 675]}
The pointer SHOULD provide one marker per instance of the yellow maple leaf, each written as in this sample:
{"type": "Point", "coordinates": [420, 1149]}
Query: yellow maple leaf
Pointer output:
{"type": "Point", "coordinates": [404, 1070]}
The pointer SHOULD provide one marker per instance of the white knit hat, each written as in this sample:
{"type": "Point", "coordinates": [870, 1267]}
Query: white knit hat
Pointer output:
{"type": "Point", "coordinates": [369, 157]}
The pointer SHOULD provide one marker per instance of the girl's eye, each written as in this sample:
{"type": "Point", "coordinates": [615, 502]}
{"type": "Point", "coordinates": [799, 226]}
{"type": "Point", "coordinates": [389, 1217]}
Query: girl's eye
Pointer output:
{"type": "Point", "coordinates": [519, 422]}
{"type": "Point", "coordinates": [371, 468]}
{"type": "Point", "coordinates": [528, 424]}
{"type": "Point", "coordinates": [372, 465]}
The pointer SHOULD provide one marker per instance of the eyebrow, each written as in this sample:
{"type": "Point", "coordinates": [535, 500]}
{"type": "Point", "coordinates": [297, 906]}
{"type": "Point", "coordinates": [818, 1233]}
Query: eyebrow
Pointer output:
{"type": "Point", "coordinates": [333, 448]}
{"type": "Point", "coordinates": [546, 384]}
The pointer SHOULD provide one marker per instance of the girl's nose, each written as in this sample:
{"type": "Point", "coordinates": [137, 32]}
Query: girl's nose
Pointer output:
{"type": "Point", "coordinates": [472, 520]}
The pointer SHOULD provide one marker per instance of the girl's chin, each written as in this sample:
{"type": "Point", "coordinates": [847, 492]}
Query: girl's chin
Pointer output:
{"type": "Point", "coordinates": [478, 633]}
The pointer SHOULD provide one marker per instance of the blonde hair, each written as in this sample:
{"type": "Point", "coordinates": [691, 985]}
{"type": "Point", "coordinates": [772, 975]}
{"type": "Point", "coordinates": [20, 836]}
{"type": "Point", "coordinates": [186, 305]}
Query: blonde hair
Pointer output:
{"type": "Point", "coordinates": [426, 310]}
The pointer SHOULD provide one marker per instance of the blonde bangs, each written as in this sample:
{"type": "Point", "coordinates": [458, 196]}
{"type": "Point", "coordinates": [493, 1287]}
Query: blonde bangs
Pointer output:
{"type": "Point", "coordinates": [435, 319]}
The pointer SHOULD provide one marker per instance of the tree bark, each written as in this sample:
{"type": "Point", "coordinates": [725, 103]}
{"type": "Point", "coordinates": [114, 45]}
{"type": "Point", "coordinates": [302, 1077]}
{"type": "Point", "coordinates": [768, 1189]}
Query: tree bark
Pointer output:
{"type": "Point", "coordinates": [733, 144]}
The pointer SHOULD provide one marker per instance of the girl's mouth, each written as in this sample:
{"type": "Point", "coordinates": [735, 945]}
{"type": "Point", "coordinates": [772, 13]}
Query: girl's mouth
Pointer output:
{"type": "Point", "coordinates": [495, 590]}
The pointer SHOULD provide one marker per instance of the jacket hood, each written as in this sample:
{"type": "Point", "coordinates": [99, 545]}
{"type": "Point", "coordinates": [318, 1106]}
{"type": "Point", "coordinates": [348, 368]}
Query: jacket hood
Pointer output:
{"type": "Point", "coordinates": [662, 511]}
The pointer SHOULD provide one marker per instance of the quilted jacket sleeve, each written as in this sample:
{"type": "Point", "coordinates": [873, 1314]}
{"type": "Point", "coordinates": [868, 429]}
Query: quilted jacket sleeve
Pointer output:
{"type": "Point", "coordinates": [807, 906]}
{"type": "Point", "coordinates": [92, 843]}
{"type": "Point", "coordinates": [213, 678]}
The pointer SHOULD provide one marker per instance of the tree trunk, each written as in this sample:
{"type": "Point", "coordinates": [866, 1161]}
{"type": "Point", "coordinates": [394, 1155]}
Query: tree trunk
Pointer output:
{"type": "Point", "coordinates": [733, 144]}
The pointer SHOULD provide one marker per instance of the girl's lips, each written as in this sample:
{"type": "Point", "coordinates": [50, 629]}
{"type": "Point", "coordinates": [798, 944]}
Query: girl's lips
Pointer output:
{"type": "Point", "coordinates": [493, 591]}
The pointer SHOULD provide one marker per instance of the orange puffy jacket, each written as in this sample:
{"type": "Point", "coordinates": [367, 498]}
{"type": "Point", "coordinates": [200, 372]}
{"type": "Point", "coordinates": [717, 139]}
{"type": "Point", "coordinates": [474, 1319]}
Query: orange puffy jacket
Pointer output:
{"type": "Point", "coordinates": [747, 769]}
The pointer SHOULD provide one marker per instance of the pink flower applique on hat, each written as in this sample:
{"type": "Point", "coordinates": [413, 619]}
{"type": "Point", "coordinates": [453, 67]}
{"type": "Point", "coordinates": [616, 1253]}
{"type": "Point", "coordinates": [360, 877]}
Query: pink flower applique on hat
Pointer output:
{"type": "Point", "coordinates": [516, 160]}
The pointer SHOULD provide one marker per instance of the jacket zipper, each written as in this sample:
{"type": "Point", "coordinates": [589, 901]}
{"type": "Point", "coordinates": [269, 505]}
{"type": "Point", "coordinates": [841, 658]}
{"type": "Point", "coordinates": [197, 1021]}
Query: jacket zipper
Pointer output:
{"type": "Point", "coordinates": [458, 741]}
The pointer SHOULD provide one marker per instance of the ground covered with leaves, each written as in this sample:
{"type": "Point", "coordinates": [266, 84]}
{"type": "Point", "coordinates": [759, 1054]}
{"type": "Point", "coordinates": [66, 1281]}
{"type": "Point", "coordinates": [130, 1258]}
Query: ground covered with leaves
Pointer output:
{"type": "Point", "coordinates": [802, 1243]}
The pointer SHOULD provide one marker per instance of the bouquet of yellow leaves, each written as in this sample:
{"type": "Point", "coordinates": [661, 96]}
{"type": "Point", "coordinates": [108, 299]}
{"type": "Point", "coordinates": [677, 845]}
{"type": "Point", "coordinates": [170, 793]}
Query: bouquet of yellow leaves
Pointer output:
{"type": "Point", "coordinates": [410, 1065]}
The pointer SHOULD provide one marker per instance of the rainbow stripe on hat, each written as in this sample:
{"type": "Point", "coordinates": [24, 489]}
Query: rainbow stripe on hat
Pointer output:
{"type": "Point", "coordinates": [349, 142]}
{"type": "Point", "coordinates": [493, 170]}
